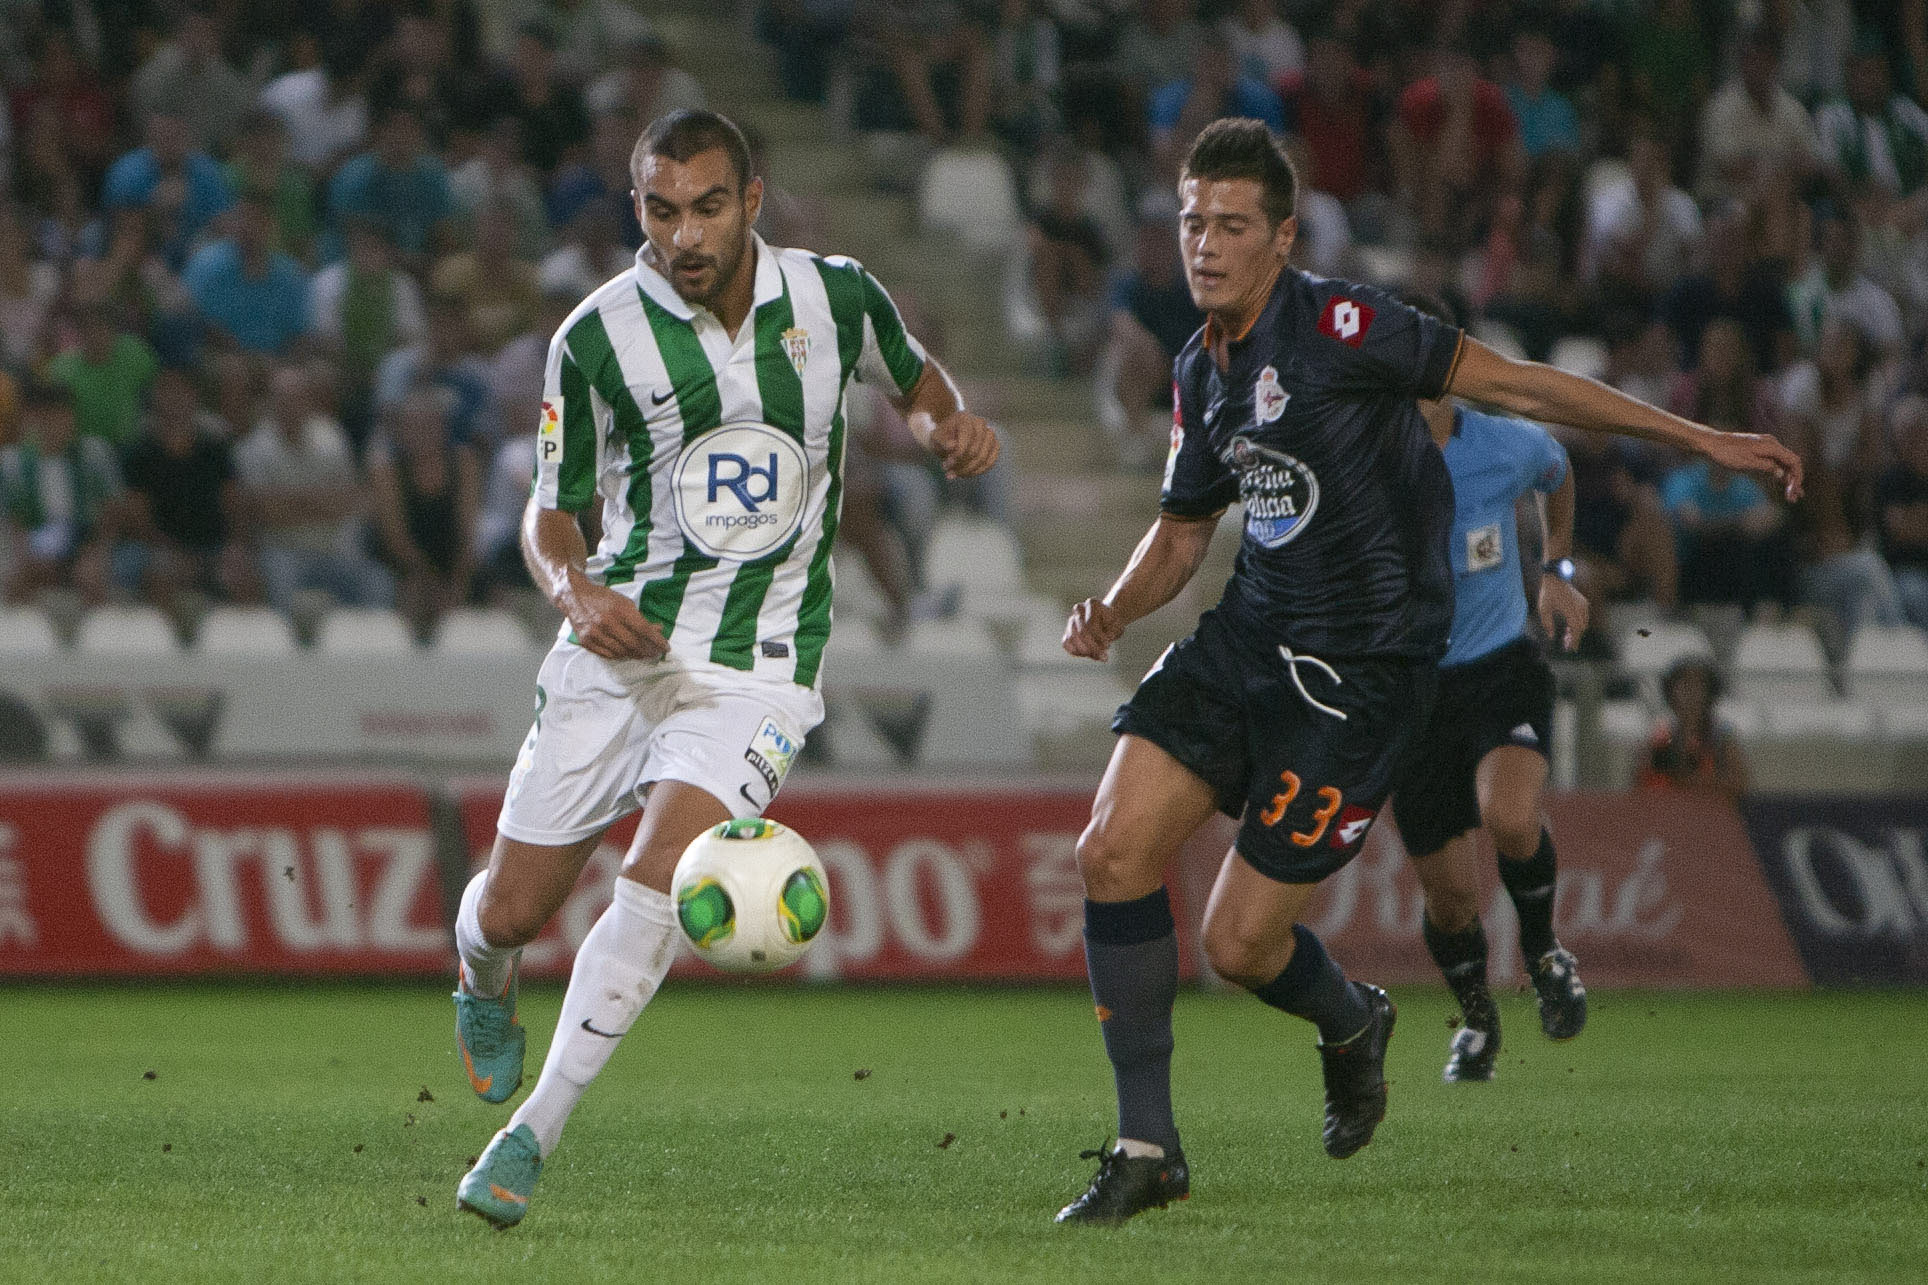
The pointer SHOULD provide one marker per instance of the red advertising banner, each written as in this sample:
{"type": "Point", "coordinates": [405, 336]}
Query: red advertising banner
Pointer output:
{"type": "Point", "coordinates": [927, 884]}
{"type": "Point", "coordinates": [175, 875]}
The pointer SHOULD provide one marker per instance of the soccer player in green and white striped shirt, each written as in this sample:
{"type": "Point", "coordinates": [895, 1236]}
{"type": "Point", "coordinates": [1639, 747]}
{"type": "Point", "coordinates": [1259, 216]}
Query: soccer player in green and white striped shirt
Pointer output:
{"type": "Point", "coordinates": [698, 403]}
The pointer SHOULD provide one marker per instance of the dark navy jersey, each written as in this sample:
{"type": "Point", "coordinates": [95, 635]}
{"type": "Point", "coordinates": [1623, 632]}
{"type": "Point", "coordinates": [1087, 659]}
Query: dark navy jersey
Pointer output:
{"type": "Point", "coordinates": [1348, 506]}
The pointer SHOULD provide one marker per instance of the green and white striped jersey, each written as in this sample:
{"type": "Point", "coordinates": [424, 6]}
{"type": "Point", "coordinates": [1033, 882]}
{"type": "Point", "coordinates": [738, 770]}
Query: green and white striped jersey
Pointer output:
{"type": "Point", "coordinates": [719, 462]}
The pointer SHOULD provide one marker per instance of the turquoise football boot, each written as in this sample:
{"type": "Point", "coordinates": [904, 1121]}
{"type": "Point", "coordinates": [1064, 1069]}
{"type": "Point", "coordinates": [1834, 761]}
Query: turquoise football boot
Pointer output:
{"type": "Point", "coordinates": [498, 1187]}
{"type": "Point", "coordinates": [490, 1041]}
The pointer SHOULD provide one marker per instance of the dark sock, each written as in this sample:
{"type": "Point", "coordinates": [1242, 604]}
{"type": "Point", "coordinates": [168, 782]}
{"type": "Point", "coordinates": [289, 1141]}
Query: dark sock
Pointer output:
{"type": "Point", "coordinates": [1530, 883]}
{"type": "Point", "coordinates": [1312, 987]}
{"type": "Point", "coordinates": [1131, 954]}
{"type": "Point", "coordinates": [1461, 957]}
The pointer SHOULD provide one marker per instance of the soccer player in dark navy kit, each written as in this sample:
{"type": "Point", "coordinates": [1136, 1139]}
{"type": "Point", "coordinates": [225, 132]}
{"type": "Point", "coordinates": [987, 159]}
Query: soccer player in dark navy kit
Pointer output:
{"type": "Point", "coordinates": [1482, 759]}
{"type": "Point", "coordinates": [1296, 698]}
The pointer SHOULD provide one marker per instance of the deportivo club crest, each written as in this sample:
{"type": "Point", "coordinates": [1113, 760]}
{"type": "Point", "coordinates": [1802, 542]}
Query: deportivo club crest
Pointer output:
{"type": "Point", "coordinates": [796, 345]}
{"type": "Point", "coordinates": [1268, 399]}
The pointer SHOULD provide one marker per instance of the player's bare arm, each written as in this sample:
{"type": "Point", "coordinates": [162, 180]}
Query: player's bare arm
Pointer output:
{"type": "Point", "coordinates": [1538, 392]}
{"type": "Point", "coordinates": [1559, 600]}
{"type": "Point", "coordinates": [962, 442]}
{"type": "Point", "coordinates": [605, 621]}
{"type": "Point", "coordinates": [1163, 563]}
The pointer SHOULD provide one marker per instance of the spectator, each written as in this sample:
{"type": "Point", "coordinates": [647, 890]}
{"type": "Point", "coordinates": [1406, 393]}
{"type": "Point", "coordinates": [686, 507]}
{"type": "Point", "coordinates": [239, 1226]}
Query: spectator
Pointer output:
{"type": "Point", "coordinates": [1814, 48]}
{"type": "Point", "coordinates": [1025, 75]}
{"type": "Point", "coordinates": [251, 295]}
{"type": "Point", "coordinates": [646, 83]}
{"type": "Point", "coordinates": [1901, 510]}
{"type": "Point", "coordinates": [1324, 243]}
{"type": "Point", "coordinates": [1267, 47]}
{"type": "Point", "coordinates": [59, 493]}
{"type": "Point", "coordinates": [69, 101]}
{"type": "Point", "coordinates": [555, 125]}
{"type": "Point", "coordinates": [1693, 748]}
{"type": "Point", "coordinates": [1735, 284]}
{"type": "Point", "coordinates": [361, 308]}
{"type": "Point", "coordinates": [1837, 289]}
{"type": "Point", "coordinates": [1333, 112]}
{"type": "Point", "coordinates": [260, 164]}
{"type": "Point", "coordinates": [188, 78]}
{"type": "Point", "coordinates": [1669, 60]}
{"type": "Point", "coordinates": [28, 287]}
{"type": "Point", "coordinates": [1152, 318]}
{"type": "Point", "coordinates": [1067, 260]}
{"type": "Point", "coordinates": [808, 37]}
{"type": "Point", "coordinates": [323, 106]}
{"type": "Point", "coordinates": [497, 175]}
{"type": "Point", "coordinates": [1159, 44]}
{"type": "Point", "coordinates": [185, 189]}
{"type": "Point", "coordinates": [928, 43]}
{"type": "Point", "coordinates": [587, 30]}
{"type": "Point", "coordinates": [444, 359]}
{"type": "Point", "coordinates": [420, 75]}
{"type": "Point", "coordinates": [397, 183]}
{"type": "Point", "coordinates": [107, 373]}
{"type": "Point", "coordinates": [1753, 122]}
{"type": "Point", "coordinates": [1724, 387]}
{"type": "Point", "coordinates": [1455, 145]}
{"type": "Point", "coordinates": [1546, 117]}
{"type": "Point", "coordinates": [1875, 138]}
{"type": "Point", "coordinates": [1727, 531]}
{"type": "Point", "coordinates": [1832, 406]}
{"type": "Point", "coordinates": [298, 476]}
{"type": "Point", "coordinates": [1644, 234]}
{"type": "Point", "coordinates": [184, 526]}
{"type": "Point", "coordinates": [602, 178]}
{"type": "Point", "coordinates": [425, 495]}
{"type": "Point", "coordinates": [1622, 539]}
{"type": "Point", "coordinates": [592, 255]}
{"type": "Point", "coordinates": [787, 218]}
{"type": "Point", "coordinates": [499, 289]}
{"type": "Point", "coordinates": [1212, 88]}
{"type": "Point", "coordinates": [1640, 357]}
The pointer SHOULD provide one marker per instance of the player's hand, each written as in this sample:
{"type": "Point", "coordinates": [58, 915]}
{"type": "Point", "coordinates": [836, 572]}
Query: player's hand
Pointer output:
{"type": "Point", "coordinates": [1559, 601]}
{"type": "Point", "coordinates": [1092, 629]}
{"type": "Point", "coordinates": [964, 444]}
{"type": "Point", "coordinates": [1758, 454]}
{"type": "Point", "coordinates": [610, 625]}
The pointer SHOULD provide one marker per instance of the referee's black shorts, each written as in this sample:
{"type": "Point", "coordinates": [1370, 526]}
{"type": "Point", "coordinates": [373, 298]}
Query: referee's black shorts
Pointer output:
{"type": "Point", "coordinates": [1305, 749]}
{"type": "Point", "coordinates": [1502, 698]}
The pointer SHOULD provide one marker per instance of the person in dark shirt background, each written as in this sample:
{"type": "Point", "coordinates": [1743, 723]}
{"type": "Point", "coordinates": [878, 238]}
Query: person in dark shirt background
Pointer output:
{"type": "Point", "coordinates": [1152, 319]}
{"type": "Point", "coordinates": [1294, 701]}
{"type": "Point", "coordinates": [184, 523]}
{"type": "Point", "coordinates": [1901, 510]}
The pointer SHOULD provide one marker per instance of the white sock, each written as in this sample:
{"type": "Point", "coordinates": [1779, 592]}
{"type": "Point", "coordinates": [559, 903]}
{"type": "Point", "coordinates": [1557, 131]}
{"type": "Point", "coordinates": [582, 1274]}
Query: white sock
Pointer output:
{"type": "Point", "coordinates": [620, 965]}
{"type": "Point", "coordinates": [485, 969]}
{"type": "Point", "coordinates": [1133, 1148]}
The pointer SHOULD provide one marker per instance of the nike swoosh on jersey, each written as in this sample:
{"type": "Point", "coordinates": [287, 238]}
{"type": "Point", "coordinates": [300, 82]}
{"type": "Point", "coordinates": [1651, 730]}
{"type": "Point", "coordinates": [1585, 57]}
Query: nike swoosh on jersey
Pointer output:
{"type": "Point", "coordinates": [657, 399]}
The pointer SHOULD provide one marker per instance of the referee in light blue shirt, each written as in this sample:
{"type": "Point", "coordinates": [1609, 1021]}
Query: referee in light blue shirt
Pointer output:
{"type": "Point", "coordinates": [1482, 760]}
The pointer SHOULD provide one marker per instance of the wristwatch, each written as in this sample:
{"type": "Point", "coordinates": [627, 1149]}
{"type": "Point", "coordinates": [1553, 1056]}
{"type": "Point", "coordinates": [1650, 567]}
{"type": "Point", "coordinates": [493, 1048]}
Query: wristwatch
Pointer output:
{"type": "Point", "coordinates": [1561, 567]}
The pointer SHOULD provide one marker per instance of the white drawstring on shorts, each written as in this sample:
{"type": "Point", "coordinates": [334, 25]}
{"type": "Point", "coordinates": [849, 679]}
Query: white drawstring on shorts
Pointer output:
{"type": "Point", "coordinates": [1292, 662]}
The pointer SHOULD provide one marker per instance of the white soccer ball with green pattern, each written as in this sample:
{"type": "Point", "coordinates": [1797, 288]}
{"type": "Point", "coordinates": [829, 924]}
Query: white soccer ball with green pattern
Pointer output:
{"type": "Point", "coordinates": [751, 895]}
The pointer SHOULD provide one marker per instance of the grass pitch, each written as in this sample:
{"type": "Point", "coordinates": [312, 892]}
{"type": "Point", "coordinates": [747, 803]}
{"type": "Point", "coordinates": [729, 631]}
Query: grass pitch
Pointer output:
{"type": "Point", "coordinates": [287, 1134]}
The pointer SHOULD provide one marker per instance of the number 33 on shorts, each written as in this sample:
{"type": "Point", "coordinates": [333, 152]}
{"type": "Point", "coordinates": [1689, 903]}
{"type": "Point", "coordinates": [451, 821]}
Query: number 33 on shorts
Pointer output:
{"type": "Point", "coordinates": [1353, 821]}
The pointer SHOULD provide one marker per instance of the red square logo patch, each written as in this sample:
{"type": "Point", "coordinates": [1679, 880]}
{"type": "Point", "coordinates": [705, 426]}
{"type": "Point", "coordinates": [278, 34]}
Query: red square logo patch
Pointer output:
{"type": "Point", "coordinates": [1346, 320]}
{"type": "Point", "coordinates": [1351, 826]}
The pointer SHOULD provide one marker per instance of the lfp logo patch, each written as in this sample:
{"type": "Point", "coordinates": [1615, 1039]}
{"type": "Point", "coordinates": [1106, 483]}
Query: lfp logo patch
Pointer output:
{"type": "Point", "coordinates": [549, 430]}
{"type": "Point", "coordinates": [1346, 320]}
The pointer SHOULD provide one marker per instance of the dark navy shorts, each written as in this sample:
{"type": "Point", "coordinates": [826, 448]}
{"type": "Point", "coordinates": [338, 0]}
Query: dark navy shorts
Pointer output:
{"type": "Point", "coordinates": [1502, 698]}
{"type": "Point", "coordinates": [1305, 748]}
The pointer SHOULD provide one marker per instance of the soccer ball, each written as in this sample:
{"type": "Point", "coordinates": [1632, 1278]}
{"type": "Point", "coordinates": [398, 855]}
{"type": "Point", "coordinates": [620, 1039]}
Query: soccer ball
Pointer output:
{"type": "Point", "coordinates": [751, 895]}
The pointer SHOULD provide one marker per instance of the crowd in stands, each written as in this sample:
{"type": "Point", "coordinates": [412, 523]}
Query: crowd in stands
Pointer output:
{"type": "Point", "coordinates": [1720, 206]}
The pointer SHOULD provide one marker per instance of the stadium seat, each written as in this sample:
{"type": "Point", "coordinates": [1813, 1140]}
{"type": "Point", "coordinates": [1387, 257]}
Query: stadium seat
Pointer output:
{"type": "Point", "coordinates": [480, 631]}
{"type": "Point", "coordinates": [955, 637]}
{"type": "Point", "coordinates": [1579, 355]}
{"type": "Point", "coordinates": [857, 597]}
{"type": "Point", "coordinates": [26, 633]}
{"type": "Point", "coordinates": [1041, 644]}
{"type": "Point", "coordinates": [976, 553]}
{"type": "Point", "coordinates": [126, 631]}
{"type": "Point", "coordinates": [1838, 720]}
{"type": "Point", "coordinates": [1056, 703]}
{"type": "Point", "coordinates": [245, 631]}
{"type": "Point", "coordinates": [1500, 337]}
{"type": "Point", "coordinates": [1781, 664]}
{"type": "Point", "coordinates": [363, 631]}
{"type": "Point", "coordinates": [970, 194]}
{"type": "Point", "coordinates": [1889, 666]}
{"type": "Point", "coordinates": [1903, 720]}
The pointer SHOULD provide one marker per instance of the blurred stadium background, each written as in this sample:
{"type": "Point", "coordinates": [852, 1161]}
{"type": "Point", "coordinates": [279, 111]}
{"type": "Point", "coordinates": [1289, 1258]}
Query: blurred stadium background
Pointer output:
{"type": "Point", "coordinates": [276, 282]}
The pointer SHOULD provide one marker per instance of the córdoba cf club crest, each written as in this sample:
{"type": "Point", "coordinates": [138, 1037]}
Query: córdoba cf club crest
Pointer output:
{"type": "Point", "coordinates": [796, 345]}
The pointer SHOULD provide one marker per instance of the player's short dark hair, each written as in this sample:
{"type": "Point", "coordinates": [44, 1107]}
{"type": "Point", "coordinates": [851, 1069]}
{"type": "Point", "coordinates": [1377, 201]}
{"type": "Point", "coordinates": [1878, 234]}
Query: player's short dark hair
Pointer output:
{"type": "Point", "coordinates": [690, 132]}
{"type": "Point", "coordinates": [1240, 147]}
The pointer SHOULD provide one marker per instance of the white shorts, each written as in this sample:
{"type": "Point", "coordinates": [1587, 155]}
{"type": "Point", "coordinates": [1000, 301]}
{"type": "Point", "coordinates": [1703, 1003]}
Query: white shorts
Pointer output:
{"type": "Point", "coordinates": [605, 731]}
